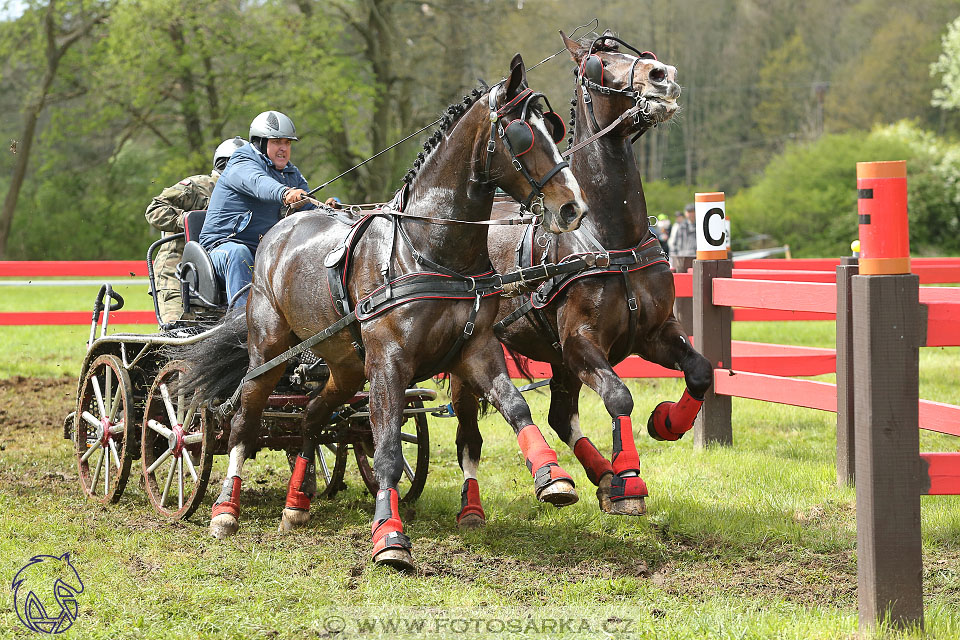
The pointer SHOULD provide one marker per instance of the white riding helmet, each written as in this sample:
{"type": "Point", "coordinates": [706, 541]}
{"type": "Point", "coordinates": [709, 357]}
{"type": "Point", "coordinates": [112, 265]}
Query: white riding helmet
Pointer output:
{"type": "Point", "coordinates": [272, 124]}
{"type": "Point", "coordinates": [224, 150]}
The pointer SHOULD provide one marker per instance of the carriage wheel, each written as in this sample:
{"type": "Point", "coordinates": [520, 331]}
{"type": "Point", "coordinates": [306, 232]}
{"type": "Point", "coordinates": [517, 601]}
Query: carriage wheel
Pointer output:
{"type": "Point", "coordinates": [177, 446]}
{"type": "Point", "coordinates": [415, 445]}
{"type": "Point", "coordinates": [331, 466]}
{"type": "Point", "coordinates": [104, 436]}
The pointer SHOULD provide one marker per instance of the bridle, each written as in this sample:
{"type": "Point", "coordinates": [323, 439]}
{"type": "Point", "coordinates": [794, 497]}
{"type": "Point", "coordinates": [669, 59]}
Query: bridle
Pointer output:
{"type": "Point", "coordinates": [590, 77]}
{"type": "Point", "coordinates": [518, 138]}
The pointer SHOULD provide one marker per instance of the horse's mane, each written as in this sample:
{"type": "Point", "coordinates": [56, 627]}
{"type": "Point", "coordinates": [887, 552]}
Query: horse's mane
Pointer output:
{"type": "Point", "coordinates": [585, 42]}
{"type": "Point", "coordinates": [450, 116]}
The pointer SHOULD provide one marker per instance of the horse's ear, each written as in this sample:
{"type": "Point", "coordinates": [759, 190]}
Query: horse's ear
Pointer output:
{"type": "Point", "coordinates": [609, 45]}
{"type": "Point", "coordinates": [518, 76]}
{"type": "Point", "coordinates": [572, 46]}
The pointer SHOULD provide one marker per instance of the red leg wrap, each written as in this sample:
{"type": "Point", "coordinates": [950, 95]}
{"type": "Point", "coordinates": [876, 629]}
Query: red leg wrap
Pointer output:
{"type": "Point", "coordinates": [625, 457]}
{"type": "Point", "coordinates": [593, 462]}
{"type": "Point", "coordinates": [541, 459]}
{"type": "Point", "coordinates": [387, 529]}
{"type": "Point", "coordinates": [470, 500]}
{"type": "Point", "coordinates": [297, 499]}
{"type": "Point", "coordinates": [670, 420]}
{"type": "Point", "coordinates": [632, 487]}
{"type": "Point", "coordinates": [232, 505]}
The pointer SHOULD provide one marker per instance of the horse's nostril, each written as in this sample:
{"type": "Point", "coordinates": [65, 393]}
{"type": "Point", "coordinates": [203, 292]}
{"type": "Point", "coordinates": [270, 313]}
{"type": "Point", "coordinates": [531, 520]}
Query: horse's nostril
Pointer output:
{"type": "Point", "coordinates": [569, 212]}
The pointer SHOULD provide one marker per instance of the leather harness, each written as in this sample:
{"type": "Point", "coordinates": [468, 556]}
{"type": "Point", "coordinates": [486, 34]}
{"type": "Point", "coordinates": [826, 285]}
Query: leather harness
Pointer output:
{"type": "Point", "coordinates": [618, 261]}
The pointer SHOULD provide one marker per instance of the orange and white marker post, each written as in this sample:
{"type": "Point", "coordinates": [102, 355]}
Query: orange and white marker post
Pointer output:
{"type": "Point", "coordinates": [711, 225]}
{"type": "Point", "coordinates": [882, 205]}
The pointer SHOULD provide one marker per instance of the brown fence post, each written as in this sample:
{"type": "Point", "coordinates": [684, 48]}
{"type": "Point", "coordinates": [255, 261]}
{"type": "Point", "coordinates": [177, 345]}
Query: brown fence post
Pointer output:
{"type": "Point", "coordinates": [887, 335]}
{"type": "Point", "coordinates": [845, 380]}
{"type": "Point", "coordinates": [711, 337]}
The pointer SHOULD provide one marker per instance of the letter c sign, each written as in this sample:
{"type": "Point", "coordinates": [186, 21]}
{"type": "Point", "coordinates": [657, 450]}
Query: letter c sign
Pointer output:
{"type": "Point", "coordinates": [711, 226]}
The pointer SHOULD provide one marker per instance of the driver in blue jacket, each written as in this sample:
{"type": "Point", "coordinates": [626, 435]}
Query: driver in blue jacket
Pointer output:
{"type": "Point", "coordinates": [259, 179]}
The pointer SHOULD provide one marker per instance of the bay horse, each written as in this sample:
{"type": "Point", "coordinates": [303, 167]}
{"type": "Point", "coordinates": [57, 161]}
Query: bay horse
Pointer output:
{"type": "Point", "coordinates": [421, 286]}
{"type": "Point", "coordinates": [588, 322]}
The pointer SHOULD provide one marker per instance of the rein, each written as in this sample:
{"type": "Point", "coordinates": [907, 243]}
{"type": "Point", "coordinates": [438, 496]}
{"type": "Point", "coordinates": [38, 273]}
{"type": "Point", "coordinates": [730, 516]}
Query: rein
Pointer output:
{"type": "Point", "coordinates": [384, 208]}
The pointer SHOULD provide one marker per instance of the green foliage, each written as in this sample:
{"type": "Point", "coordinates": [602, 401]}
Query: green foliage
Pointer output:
{"type": "Point", "coordinates": [888, 80]}
{"type": "Point", "coordinates": [947, 96]}
{"type": "Point", "coordinates": [668, 197]}
{"type": "Point", "coordinates": [807, 196]}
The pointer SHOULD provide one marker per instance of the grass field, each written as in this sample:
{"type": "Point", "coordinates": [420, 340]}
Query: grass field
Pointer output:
{"type": "Point", "coordinates": [750, 541]}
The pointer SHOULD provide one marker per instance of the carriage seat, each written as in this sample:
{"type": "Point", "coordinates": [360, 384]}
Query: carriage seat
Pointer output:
{"type": "Point", "coordinates": [195, 270]}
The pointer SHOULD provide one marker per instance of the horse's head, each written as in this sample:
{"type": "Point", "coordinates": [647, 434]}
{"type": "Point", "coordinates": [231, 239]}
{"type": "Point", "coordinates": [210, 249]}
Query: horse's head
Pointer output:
{"type": "Point", "coordinates": [521, 154]}
{"type": "Point", "coordinates": [612, 82]}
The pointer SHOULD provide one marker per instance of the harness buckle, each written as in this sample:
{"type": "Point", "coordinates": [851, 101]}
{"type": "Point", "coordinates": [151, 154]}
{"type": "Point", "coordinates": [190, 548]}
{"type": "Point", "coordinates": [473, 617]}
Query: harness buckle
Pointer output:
{"type": "Point", "coordinates": [517, 165]}
{"type": "Point", "coordinates": [491, 145]}
{"type": "Point", "coordinates": [603, 260]}
{"type": "Point", "coordinates": [468, 329]}
{"type": "Point", "coordinates": [536, 207]}
{"type": "Point", "coordinates": [632, 304]}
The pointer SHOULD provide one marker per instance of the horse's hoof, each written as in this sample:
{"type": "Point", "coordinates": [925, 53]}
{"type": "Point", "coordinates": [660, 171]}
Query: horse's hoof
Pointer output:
{"type": "Point", "coordinates": [223, 526]}
{"type": "Point", "coordinates": [629, 506]}
{"type": "Point", "coordinates": [603, 493]}
{"type": "Point", "coordinates": [559, 493]}
{"type": "Point", "coordinates": [470, 522]}
{"type": "Point", "coordinates": [293, 519]}
{"type": "Point", "coordinates": [399, 559]}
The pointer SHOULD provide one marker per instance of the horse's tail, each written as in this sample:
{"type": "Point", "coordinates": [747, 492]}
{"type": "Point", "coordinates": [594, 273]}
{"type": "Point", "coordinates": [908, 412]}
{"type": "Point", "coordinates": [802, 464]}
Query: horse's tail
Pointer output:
{"type": "Point", "coordinates": [216, 364]}
{"type": "Point", "coordinates": [521, 363]}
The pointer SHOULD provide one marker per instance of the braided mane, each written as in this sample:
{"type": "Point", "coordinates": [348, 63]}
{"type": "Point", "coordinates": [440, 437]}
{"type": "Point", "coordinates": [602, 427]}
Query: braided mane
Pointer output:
{"type": "Point", "coordinates": [450, 116]}
{"type": "Point", "coordinates": [601, 45]}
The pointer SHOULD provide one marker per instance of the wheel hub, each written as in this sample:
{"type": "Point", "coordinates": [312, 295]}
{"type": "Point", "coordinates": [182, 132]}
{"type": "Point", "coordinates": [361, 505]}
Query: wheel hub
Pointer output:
{"type": "Point", "coordinates": [103, 432]}
{"type": "Point", "coordinates": [176, 440]}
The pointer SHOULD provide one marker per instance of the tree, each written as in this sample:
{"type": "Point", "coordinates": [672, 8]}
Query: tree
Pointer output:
{"type": "Point", "coordinates": [43, 37]}
{"type": "Point", "coordinates": [947, 96]}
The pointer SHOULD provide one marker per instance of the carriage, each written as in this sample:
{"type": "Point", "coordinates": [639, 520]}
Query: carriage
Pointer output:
{"type": "Point", "coordinates": [429, 257]}
{"type": "Point", "coordinates": [129, 409]}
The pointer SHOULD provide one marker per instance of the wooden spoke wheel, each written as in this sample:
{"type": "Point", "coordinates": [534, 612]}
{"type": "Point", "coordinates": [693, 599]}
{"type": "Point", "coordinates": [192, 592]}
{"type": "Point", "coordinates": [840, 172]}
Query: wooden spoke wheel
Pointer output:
{"type": "Point", "coordinates": [104, 435]}
{"type": "Point", "coordinates": [176, 446]}
{"type": "Point", "coordinates": [331, 468]}
{"type": "Point", "coordinates": [415, 445]}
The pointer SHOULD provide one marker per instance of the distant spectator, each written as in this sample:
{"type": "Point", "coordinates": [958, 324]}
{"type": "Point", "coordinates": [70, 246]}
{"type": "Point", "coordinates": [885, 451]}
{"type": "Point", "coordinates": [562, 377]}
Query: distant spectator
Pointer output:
{"type": "Point", "coordinates": [683, 250]}
{"type": "Point", "coordinates": [662, 231]}
{"type": "Point", "coordinates": [683, 240]}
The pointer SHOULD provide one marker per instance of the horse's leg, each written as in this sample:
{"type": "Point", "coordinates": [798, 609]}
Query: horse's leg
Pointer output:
{"type": "Point", "coordinates": [268, 337]}
{"type": "Point", "coordinates": [565, 420]}
{"type": "Point", "coordinates": [670, 348]}
{"type": "Point", "coordinates": [469, 443]}
{"type": "Point", "coordinates": [484, 369]}
{"type": "Point", "coordinates": [388, 378]}
{"type": "Point", "coordinates": [623, 491]}
{"type": "Point", "coordinates": [340, 387]}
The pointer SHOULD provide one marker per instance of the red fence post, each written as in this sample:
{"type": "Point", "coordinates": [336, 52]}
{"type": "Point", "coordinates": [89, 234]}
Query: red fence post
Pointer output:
{"type": "Point", "coordinates": [845, 378]}
{"type": "Point", "coordinates": [887, 334]}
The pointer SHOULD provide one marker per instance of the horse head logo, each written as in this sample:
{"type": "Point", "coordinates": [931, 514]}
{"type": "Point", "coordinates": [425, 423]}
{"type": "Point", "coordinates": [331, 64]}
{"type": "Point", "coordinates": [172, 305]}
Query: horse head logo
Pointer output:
{"type": "Point", "coordinates": [45, 593]}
